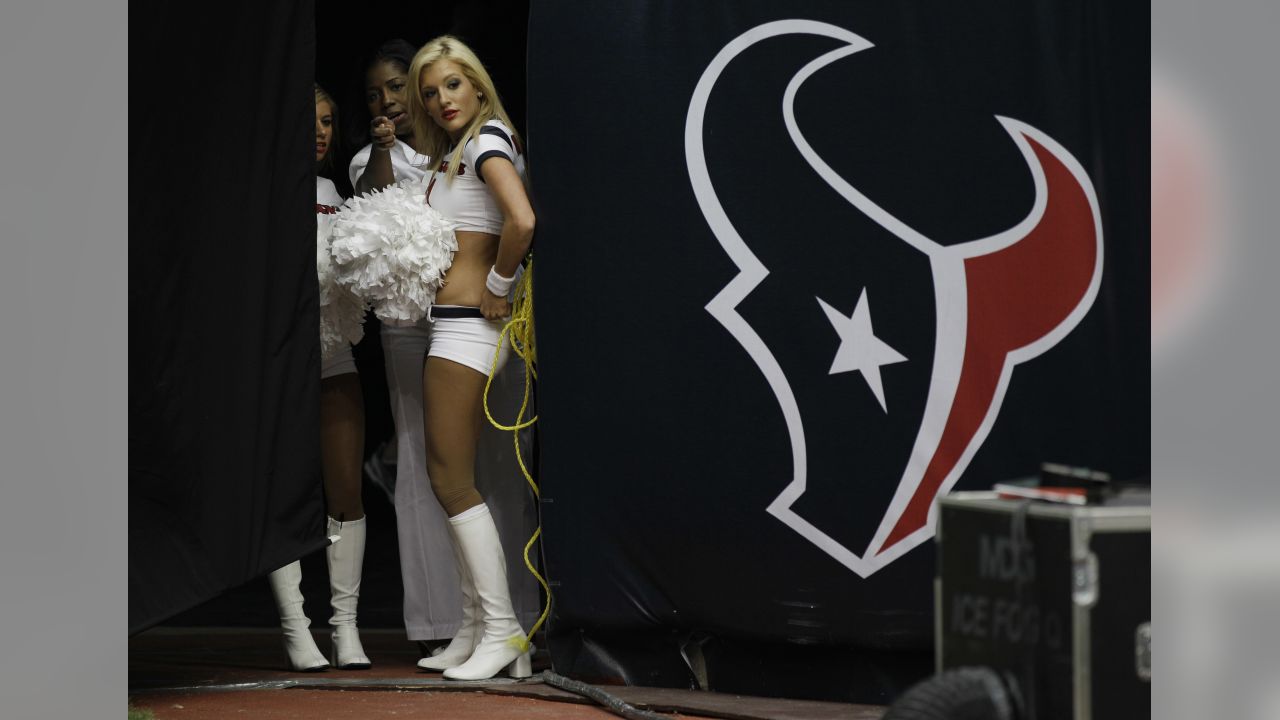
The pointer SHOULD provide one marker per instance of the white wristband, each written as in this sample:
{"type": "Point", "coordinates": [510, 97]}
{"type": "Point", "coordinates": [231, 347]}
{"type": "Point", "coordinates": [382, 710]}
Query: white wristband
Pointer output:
{"type": "Point", "coordinates": [497, 284]}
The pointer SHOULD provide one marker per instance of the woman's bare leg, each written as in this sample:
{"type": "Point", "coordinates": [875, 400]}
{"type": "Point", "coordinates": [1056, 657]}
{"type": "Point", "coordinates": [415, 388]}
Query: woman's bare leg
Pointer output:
{"type": "Point", "coordinates": [342, 445]}
{"type": "Point", "coordinates": [452, 413]}
{"type": "Point", "coordinates": [341, 453]}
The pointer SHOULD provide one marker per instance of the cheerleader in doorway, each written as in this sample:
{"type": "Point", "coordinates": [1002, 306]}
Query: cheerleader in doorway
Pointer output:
{"type": "Point", "coordinates": [432, 604]}
{"type": "Point", "coordinates": [341, 448]}
{"type": "Point", "coordinates": [477, 180]}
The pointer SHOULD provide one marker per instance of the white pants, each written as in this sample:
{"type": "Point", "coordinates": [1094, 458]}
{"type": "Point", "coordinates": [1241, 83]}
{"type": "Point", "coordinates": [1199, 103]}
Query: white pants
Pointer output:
{"type": "Point", "coordinates": [432, 600]}
{"type": "Point", "coordinates": [471, 342]}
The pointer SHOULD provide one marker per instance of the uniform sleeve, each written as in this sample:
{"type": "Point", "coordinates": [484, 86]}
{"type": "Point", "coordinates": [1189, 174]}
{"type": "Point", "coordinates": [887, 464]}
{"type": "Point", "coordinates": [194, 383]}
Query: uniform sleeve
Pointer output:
{"type": "Point", "coordinates": [327, 192]}
{"type": "Point", "coordinates": [359, 163]}
{"type": "Point", "coordinates": [494, 140]}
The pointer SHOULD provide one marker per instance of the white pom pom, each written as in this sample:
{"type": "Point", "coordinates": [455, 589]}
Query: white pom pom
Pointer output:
{"type": "Point", "coordinates": [341, 312]}
{"type": "Point", "coordinates": [391, 250]}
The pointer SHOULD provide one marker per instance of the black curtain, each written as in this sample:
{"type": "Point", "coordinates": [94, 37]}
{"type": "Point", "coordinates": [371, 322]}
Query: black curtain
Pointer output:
{"type": "Point", "coordinates": [224, 355]}
{"type": "Point", "coordinates": [668, 444]}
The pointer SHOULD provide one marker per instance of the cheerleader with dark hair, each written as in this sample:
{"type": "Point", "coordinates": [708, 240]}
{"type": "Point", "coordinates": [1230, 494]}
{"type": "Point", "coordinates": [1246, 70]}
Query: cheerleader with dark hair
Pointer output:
{"type": "Point", "coordinates": [390, 156]}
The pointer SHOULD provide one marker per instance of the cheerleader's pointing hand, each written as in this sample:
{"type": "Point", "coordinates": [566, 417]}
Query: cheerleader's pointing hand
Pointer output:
{"type": "Point", "coordinates": [383, 133]}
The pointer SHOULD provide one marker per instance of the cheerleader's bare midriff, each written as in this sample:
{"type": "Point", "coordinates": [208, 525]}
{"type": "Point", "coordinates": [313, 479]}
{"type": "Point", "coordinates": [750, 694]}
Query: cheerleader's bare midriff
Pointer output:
{"type": "Point", "coordinates": [464, 281]}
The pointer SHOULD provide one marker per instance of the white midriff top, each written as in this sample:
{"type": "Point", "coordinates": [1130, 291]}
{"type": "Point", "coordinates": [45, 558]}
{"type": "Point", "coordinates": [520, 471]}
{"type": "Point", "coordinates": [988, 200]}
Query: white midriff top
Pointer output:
{"type": "Point", "coordinates": [466, 199]}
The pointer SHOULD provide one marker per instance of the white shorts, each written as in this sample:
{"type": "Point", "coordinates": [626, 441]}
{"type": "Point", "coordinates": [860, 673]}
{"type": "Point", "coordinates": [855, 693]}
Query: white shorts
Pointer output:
{"type": "Point", "coordinates": [339, 363]}
{"type": "Point", "coordinates": [469, 341]}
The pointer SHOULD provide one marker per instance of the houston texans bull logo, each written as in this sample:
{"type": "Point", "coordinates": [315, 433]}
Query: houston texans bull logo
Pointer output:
{"type": "Point", "coordinates": [999, 301]}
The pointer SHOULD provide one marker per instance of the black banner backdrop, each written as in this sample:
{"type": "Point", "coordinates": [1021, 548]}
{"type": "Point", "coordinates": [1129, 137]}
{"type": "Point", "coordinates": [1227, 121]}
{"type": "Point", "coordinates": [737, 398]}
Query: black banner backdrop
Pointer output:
{"type": "Point", "coordinates": [223, 349]}
{"type": "Point", "coordinates": [801, 268]}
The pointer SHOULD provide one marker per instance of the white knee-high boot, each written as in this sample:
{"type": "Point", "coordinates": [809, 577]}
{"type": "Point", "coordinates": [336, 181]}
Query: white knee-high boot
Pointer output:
{"type": "Point", "coordinates": [464, 642]}
{"type": "Point", "coordinates": [346, 558]}
{"type": "Point", "coordinates": [503, 643]}
{"type": "Point", "coordinates": [301, 648]}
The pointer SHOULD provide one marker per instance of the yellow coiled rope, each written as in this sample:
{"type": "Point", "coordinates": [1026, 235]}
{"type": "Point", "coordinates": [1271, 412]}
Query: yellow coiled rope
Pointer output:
{"type": "Point", "coordinates": [519, 330]}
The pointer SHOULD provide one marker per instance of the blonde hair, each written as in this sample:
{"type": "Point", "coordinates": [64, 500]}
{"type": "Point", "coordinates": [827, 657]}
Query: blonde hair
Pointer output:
{"type": "Point", "coordinates": [322, 96]}
{"type": "Point", "coordinates": [431, 139]}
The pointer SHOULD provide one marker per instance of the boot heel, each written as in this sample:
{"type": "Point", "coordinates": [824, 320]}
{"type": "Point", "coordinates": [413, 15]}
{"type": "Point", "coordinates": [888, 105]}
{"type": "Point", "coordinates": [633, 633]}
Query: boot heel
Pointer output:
{"type": "Point", "coordinates": [299, 646]}
{"type": "Point", "coordinates": [302, 661]}
{"type": "Point", "coordinates": [521, 667]}
{"type": "Point", "coordinates": [346, 652]}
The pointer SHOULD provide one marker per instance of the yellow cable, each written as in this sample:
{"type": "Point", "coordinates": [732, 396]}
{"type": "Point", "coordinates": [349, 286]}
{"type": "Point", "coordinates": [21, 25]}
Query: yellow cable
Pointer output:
{"type": "Point", "coordinates": [519, 330]}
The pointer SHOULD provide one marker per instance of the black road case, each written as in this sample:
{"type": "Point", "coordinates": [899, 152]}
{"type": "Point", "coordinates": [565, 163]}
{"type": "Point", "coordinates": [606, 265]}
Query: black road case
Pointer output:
{"type": "Point", "coordinates": [1057, 598]}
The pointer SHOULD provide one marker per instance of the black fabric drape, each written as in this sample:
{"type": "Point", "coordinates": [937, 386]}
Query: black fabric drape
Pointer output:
{"type": "Point", "coordinates": [667, 451]}
{"type": "Point", "coordinates": [224, 479]}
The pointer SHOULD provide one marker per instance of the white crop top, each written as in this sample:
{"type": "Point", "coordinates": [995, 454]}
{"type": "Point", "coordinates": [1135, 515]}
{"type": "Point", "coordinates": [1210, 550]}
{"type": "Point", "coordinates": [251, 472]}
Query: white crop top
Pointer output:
{"type": "Point", "coordinates": [406, 163]}
{"type": "Point", "coordinates": [467, 200]}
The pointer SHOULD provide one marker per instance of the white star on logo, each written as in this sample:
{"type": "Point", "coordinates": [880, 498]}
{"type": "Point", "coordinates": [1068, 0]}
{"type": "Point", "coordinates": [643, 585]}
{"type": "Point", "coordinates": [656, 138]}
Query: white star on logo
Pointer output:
{"type": "Point", "coordinates": [859, 348]}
